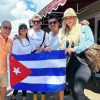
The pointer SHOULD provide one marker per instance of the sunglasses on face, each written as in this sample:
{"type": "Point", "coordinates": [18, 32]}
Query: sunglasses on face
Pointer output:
{"type": "Point", "coordinates": [53, 22]}
{"type": "Point", "coordinates": [23, 28]}
{"type": "Point", "coordinates": [5, 27]}
{"type": "Point", "coordinates": [36, 21]}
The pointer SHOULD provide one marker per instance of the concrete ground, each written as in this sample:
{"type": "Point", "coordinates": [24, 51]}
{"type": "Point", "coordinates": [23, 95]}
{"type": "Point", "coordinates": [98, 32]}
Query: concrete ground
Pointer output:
{"type": "Point", "coordinates": [92, 91]}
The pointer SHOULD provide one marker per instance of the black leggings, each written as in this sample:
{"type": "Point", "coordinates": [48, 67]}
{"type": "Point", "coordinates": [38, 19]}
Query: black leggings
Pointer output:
{"type": "Point", "coordinates": [16, 91]}
{"type": "Point", "coordinates": [78, 75]}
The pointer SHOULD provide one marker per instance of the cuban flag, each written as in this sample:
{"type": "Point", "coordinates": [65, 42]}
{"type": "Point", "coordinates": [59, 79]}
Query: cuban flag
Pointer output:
{"type": "Point", "coordinates": [38, 72]}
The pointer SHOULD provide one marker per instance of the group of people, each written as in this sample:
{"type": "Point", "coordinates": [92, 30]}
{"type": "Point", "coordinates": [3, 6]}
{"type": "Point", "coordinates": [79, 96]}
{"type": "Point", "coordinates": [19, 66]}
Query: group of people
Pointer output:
{"type": "Point", "coordinates": [73, 37]}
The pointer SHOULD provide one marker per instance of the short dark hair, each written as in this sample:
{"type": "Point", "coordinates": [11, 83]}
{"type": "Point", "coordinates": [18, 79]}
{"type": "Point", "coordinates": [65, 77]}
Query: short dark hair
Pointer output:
{"type": "Point", "coordinates": [51, 16]}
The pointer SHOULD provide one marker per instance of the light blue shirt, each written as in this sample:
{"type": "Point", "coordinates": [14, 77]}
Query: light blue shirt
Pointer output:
{"type": "Point", "coordinates": [86, 39]}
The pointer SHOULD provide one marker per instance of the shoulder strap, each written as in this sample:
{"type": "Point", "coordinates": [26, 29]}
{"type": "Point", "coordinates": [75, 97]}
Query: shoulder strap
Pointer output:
{"type": "Point", "coordinates": [43, 39]}
{"type": "Point", "coordinates": [41, 43]}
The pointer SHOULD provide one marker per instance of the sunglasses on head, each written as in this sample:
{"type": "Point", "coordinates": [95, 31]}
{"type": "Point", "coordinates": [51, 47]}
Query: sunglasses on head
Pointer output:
{"type": "Point", "coordinates": [5, 27]}
{"type": "Point", "coordinates": [53, 22]}
{"type": "Point", "coordinates": [36, 21]}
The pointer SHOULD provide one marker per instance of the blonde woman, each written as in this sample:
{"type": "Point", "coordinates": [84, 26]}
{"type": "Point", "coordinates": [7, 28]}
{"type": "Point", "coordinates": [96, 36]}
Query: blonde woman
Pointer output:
{"type": "Point", "coordinates": [78, 38]}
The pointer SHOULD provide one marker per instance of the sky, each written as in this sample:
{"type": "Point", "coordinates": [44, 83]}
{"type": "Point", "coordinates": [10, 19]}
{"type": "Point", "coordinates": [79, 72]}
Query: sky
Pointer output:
{"type": "Point", "coordinates": [20, 11]}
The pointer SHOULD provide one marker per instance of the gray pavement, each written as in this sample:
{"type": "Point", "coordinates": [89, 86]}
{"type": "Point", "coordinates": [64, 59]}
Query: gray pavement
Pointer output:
{"type": "Point", "coordinates": [92, 91]}
{"type": "Point", "coordinates": [49, 96]}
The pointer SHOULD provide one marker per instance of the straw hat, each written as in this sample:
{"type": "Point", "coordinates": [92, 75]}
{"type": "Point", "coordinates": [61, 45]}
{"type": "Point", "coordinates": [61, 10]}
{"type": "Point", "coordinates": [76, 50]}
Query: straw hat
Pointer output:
{"type": "Point", "coordinates": [36, 16]}
{"type": "Point", "coordinates": [69, 12]}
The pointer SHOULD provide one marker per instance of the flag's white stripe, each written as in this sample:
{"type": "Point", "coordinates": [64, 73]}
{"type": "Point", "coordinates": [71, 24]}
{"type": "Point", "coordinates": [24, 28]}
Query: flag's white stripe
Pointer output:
{"type": "Point", "coordinates": [45, 63]}
{"type": "Point", "coordinates": [44, 80]}
{"type": "Point", "coordinates": [8, 69]}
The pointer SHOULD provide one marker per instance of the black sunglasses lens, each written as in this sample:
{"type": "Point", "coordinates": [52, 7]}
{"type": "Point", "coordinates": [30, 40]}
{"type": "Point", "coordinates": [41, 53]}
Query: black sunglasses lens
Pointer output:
{"type": "Point", "coordinates": [5, 27]}
{"type": "Point", "coordinates": [53, 22]}
{"type": "Point", "coordinates": [38, 21]}
{"type": "Point", "coordinates": [23, 27]}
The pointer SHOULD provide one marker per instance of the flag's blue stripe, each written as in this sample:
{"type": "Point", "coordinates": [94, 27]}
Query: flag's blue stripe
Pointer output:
{"type": "Point", "coordinates": [57, 54]}
{"type": "Point", "coordinates": [40, 87]}
{"type": "Point", "coordinates": [48, 71]}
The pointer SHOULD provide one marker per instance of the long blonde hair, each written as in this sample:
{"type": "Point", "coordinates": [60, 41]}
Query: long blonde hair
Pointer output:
{"type": "Point", "coordinates": [71, 35]}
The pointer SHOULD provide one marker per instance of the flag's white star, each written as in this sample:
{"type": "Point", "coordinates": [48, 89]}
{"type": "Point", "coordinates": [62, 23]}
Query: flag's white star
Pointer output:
{"type": "Point", "coordinates": [16, 71]}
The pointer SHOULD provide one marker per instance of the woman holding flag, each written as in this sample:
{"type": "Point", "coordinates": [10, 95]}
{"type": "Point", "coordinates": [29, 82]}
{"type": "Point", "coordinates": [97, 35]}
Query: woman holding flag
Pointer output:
{"type": "Point", "coordinates": [21, 45]}
{"type": "Point", "coordinates": [79, 38]}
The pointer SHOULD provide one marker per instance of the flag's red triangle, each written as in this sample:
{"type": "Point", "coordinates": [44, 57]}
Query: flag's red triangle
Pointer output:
{"type": "Point", "coordinates": [23, 71]}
